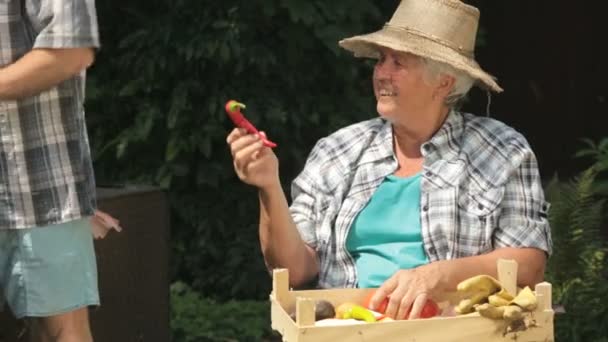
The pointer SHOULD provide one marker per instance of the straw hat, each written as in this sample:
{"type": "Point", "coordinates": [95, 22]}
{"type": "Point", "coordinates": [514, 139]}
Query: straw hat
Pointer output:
{"type": "Point", "coordinates": [441, 30]}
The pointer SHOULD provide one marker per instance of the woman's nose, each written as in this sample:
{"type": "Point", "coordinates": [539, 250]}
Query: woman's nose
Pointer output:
{"type": "Point", "coordinates": [382, 70]}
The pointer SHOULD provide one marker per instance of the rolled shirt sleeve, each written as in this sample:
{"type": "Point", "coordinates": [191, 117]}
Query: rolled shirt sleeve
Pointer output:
{"type": "Point", "coordinates": [309, 197]}
{"type": "Point", "coordinates": [303, 212]}
{"type": "Point", "coordinates": [63, 23]}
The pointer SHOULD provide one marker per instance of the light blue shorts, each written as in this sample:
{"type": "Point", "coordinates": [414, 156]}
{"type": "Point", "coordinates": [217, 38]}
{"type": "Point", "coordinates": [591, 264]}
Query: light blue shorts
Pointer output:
{"type": "Point", "coordinates": [49, 270]}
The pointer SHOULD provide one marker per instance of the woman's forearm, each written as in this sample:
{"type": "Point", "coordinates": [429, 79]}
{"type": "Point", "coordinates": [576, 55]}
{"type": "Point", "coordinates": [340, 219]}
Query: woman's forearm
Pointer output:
{"type": "Point", "coordinates": [280, 240]}
{"type": "Point", "coordinates": [530, 270]}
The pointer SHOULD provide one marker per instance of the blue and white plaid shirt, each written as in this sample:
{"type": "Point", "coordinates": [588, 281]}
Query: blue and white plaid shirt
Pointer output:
{"type": "Point", "coordinates": [480, 190]}
{"type": "Point", "coordinates": [46, 174]}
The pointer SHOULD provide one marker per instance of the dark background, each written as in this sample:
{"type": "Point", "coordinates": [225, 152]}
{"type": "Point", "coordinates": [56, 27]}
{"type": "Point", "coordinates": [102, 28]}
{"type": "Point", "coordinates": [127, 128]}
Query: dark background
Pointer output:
{"type": "Point", "coordinates": [551, 59]}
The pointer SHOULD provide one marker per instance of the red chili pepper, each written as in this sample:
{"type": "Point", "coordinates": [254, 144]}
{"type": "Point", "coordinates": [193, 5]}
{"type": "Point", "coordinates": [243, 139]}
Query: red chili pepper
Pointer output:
{"type": "Point", "coordinates": [233, 108]}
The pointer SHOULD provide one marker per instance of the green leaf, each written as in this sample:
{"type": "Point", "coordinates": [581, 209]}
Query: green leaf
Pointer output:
{"type": "Point", "coordinates": [224, 52]}
{"type": "Point", "coordinates": [174, 147]}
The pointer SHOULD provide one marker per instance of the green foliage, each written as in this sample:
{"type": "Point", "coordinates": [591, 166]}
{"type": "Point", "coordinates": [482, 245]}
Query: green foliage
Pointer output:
{"type": "Point", "coordinates": [599, 153]}
{"type": "Point", "coordinates": [195, 319]}
{"type": "Point", "coordinates": [578, 268]}
{"type": "Point", "coordinates": [155, 111]}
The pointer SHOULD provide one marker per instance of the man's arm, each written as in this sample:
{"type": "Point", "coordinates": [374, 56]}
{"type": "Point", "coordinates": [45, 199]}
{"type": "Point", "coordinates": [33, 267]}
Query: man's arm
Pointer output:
{"type": "Point", "coordinates": [41, 69]}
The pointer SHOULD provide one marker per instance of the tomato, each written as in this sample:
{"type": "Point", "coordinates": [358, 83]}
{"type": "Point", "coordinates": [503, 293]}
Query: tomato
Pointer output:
{"type": "Point", "coordinates": [430, 309]}
{"type": "Point", "coordinates": [381, 308]}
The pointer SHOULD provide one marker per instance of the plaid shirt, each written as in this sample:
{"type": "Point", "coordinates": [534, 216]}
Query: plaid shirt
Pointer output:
{"type": "Point", "coordinates": [46, 174]}
{"type": "Point", "coordinates": [480, 190]}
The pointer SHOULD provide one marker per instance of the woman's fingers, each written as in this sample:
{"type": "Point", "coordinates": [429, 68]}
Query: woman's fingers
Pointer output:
{"type": "Point", "coordinates": [410, 304]}
{"type": "Point", "coordinates": [395, 290]}
{"type": "Point", "coordinates": [253, 162]}
{"type": "Point", "coordinates": [235, 134]}
{"type": "Point", "coordinates": [244, 155]}
{"type": "Point", "coordinates": [242, 142]}
{"type": "Point", "coordinates": [383, 292]}
{"type": "Point", "coordinates": [256, 161]}
{"type": "Point", "coordinates": [399, 300]}
{"type": "Point", "coordinates": [417, 306]}
{"type": "Point", "coordinates": [238, 138]}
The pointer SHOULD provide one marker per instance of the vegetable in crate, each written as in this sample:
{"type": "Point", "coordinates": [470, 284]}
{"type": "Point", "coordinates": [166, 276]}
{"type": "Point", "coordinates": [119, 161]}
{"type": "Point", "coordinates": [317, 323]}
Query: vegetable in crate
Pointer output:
{"type": "Point", "coordinates": [430, 309]}
{"type": "Point", "coordinates": [488, 297]}
{"type": "Point", "coordinates": [323, 310]}
{"type": "Point", "coordinates": [356, 311]}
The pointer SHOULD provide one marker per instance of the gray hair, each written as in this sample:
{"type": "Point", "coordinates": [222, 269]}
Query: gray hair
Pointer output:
{"type": "Point", "coordinates": [462, 85]}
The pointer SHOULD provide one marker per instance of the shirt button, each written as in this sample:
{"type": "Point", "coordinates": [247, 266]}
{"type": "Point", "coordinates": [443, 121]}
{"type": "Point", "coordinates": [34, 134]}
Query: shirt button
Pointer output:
{"type": "Point", "coordinates": [480, 206]}
{"type": "Point", "coordinates": [431, 250]}
{"type": "Point", "coordinates": [428, 174]}
{"type": "Point", "coordinates": [426, 207]}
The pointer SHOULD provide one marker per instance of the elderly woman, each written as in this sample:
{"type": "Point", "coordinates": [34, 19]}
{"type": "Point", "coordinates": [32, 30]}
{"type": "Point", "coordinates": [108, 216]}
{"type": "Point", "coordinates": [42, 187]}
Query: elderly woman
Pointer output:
{"type": "Point", "coordinates": [419, 199]}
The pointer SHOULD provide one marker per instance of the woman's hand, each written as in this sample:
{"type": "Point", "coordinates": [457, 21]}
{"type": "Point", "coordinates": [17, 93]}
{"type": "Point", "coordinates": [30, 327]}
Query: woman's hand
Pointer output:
{"type": "Point", "coordinates": [254, 163]}
{"type": "Point", "coordinates": [409, 289]}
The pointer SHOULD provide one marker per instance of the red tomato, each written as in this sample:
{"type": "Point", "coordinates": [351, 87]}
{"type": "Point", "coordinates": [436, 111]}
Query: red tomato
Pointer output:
{"type": "Point", "coordinates": [381, 308]}
{"type": "Point", "coordinates": [430, 309]}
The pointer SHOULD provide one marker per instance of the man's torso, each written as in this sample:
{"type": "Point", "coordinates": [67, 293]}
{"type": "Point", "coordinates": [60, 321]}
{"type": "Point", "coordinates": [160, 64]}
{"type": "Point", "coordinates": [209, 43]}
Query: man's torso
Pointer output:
{"type": "Point", "coordinates": [45, 164]}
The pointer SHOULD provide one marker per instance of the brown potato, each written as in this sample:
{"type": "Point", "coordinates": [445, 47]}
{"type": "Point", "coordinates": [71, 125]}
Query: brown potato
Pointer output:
{"type": "Point", "coordinates": [323, 310]}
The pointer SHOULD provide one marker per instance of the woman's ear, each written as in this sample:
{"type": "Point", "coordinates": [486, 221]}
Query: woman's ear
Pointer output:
{"type": "Point", "coordinates": [444, 86]}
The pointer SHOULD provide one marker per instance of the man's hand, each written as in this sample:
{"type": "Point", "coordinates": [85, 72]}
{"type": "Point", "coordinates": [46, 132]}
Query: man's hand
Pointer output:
{"type": "Point", "coordinates": [408, 291]}
{"type": "Point", "coordinates": [102, 223]}
{"type": "Point", "coordinates": [41, 69]}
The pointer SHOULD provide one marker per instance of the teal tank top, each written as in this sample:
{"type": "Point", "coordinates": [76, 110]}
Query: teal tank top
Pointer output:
{"type": "Point", "coordinates": [386, 236]}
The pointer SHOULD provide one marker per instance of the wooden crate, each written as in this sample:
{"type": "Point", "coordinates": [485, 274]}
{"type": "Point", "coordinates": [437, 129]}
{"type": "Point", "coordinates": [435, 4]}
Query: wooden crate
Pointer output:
{"type": "Point", "coordinates": [466, 328]}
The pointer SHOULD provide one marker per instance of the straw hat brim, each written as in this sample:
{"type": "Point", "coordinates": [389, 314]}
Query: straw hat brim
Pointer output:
{"type": "Point", "coordinates": [406, 41]}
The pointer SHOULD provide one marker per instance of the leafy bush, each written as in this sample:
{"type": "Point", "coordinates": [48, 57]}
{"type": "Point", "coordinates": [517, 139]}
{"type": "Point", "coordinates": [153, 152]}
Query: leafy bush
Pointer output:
{"type": "Point", "coordinates": [578, 268]}
{"type": "Point", "coordinates": [599, 153]}
{"type": "Point", "coordinates": [195, 319]}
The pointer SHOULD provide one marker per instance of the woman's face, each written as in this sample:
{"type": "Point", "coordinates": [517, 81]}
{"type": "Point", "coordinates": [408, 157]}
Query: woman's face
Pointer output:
{"type": "Point", "coordinates": [400, 86]}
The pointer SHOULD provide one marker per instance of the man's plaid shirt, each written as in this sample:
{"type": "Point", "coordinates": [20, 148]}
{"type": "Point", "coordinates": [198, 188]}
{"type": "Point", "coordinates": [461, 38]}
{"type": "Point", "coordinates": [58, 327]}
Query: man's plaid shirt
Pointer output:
{"type": "Point", "coordinates": [480, 190]}
{"type": "Point", "coordinates": [46, 173]}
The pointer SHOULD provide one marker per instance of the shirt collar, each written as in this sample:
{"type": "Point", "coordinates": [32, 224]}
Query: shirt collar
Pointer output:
{"type": "Point", "coordinates": [381, 146]}
{"type": "Point", "coordinates": [443, 145]}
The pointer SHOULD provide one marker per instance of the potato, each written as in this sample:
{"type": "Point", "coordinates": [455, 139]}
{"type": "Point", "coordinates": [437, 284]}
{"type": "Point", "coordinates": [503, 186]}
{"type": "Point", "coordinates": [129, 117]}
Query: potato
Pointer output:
{"type": "Point", "coordinates": [323, 310]}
